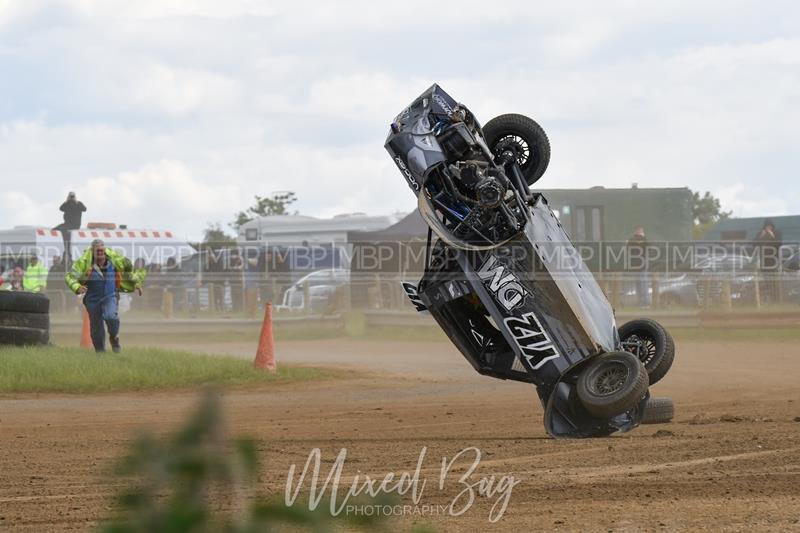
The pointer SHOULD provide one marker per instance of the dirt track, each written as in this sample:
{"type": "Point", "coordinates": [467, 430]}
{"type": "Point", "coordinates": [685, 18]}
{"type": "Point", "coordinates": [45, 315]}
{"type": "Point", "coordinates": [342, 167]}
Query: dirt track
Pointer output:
{"type": "Point", "coordinates": [730, 461]}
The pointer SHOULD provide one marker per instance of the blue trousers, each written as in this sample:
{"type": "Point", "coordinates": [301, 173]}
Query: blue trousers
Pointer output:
{"type": "Point", "coordinates": [104, 311]}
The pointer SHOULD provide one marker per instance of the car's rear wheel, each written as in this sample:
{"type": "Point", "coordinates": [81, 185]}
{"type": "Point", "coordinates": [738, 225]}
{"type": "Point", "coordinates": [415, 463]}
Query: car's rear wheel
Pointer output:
{"type": "Point", "coordinates": [612, 384]}
{"type": "Point", "coordinates": [658, 411]}
{"type": "Point", "coordinates": [651, 343]}
{"type": "Point", "coordinates": [524, 138]}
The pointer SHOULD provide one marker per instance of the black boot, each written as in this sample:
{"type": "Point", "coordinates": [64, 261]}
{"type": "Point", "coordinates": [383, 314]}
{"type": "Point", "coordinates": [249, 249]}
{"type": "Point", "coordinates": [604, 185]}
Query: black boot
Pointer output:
{"type": "Point", "coordinates": [115, 347]}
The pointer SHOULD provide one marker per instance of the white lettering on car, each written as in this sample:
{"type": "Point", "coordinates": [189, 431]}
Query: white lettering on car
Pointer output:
{"type": "Point", "coordinates": [532, 339]}
{"type": "Point", "coordinates": [503, 284]}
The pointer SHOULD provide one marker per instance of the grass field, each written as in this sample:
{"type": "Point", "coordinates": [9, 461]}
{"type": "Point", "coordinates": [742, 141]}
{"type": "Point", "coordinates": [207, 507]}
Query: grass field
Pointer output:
{"type": "Point", "coordinates": [77, 370]}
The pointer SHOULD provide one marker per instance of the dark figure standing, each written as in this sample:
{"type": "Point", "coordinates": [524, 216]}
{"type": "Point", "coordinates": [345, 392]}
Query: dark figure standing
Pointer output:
{"type": "Point", "coordinates": [637, 262]}
{"type": "Point", "coordinates": [235, 273]}
{"type": "Point", "coordinates": [73, 210]}
{"type": "Point", "coordinates": [768, 242]}
{"type": "Point", "coordinates": [54, 277]}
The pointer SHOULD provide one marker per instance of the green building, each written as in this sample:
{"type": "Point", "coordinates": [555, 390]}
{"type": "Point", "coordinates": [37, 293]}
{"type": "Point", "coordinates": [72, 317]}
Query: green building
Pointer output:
{"type": "Point", "coordinates": [746, 229]}
{"type": "Point", "coordinates": [612, 214]}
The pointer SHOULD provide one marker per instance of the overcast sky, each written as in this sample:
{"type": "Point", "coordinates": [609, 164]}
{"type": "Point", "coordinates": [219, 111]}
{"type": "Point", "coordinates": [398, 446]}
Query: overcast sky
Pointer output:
{"type": "Point", "coordinates": [171, 114]}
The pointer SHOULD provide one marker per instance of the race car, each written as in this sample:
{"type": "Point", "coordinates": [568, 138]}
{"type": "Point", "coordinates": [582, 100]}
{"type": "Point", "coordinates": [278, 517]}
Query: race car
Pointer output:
{"type": "Point", "coordinates": [502, 278]}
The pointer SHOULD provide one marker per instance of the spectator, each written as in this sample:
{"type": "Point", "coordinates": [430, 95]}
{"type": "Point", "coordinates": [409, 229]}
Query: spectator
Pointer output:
{"type": "Point", "coordinates": [637, 263]}
{"type": "Point", "coordinates": [73, 211]}
{"type": "Point", "coordinates": [155, 295]}
{"type": "Point", "coordinates": [235, 276]}
{"type": "Point", "coordinates": [16, 278]}
{"type": "Point", "coordinates": [100, 275]}
{"type": "Point", "coordinates": [173, 282]}
{"type": "Point", "coordinates": [14, 281]}
{"type": "Point", "coordinates": [768, 243]}
{"type": "Point", "coordinates": [35, 277]}
{"type": "Point", "coordinates": [216, 282]}
{"type": "Point", "coordinates": [54, 275]}
{"type": "Point", "coordinates": [265, 260]}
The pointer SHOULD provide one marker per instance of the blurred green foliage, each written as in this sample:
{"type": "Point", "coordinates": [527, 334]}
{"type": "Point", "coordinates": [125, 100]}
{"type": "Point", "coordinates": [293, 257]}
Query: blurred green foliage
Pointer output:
{"type": "Point", "coordinates": [198, 480]}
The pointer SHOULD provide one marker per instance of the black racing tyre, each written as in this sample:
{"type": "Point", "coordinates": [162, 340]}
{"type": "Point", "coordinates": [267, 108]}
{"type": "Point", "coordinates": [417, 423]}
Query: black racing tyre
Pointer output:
{"type": "Point", "coordinates": [658, 411]}
{"type": "Point", "coordinates": [613, 383]}
{"type": "Point", "coordinates": [24, 302]}
{"type": "Point", "coordinates": [525, 138]}
{"type": "Point", "coordinates": [651, 343]}
{"type": "Point", "coordinates": [21, 336]}
{"type": "Point", "coordinates": [24, 320]}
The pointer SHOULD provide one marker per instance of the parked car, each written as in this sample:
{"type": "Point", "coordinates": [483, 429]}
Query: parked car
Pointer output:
{"type": "Point", "coordinates": [322, 285]}
{"type": "Point", "coordinates": [687, 289]}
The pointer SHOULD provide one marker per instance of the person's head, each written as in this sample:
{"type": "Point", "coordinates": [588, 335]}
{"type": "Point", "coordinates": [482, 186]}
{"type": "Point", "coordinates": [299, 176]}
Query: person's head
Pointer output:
{"type": "Point", "coordinates": [769, 225]}
{"type": "Point", "coordinates": [99, 251]}
{"type": "Point", "coordinates": [57, 260]}
{"type": "Point", "coordinates": [638, 231]}
{"type": "Point", "coordinates": [34, 259]}
{"type": "Point", "coordinates": [71, 197]}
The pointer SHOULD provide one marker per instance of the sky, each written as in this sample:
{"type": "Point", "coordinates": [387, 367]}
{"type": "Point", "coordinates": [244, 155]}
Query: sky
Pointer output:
{"type": "Point", "coordinates": [172, 114]}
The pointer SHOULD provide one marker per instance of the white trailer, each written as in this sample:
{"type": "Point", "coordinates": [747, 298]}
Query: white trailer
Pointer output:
{"type": "Point", "coordinates": [150, 245]}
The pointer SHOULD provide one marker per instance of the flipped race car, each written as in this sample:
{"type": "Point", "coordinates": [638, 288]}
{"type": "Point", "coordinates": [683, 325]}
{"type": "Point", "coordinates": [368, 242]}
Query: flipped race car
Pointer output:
{"type": "Point", "coordinates": [502, 278]}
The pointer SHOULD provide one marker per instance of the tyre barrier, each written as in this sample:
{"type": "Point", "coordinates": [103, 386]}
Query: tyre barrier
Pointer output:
{"type": "Point", "coordinates": [24, 318]}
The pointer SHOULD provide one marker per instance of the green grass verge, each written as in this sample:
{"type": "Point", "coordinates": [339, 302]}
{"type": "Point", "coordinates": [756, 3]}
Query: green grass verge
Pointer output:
{"type": "Point", "coordinates": [77, 370]}
{"type": "Point", "coordinates": [220, 333]}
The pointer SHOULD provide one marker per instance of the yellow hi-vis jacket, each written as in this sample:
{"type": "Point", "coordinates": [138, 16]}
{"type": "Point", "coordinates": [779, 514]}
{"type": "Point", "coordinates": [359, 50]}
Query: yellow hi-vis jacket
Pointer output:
{"type": "Point", "coordinates": [128, 278]}
{"type": "Point", "coordinates": [35, 278]}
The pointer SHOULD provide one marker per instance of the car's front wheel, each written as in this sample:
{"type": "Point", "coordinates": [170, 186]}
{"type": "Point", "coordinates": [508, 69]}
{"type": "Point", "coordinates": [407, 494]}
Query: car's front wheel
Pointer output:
{"type": "Point", "coordinates": [612, 384]}
{"type": "Point", "coordinates": [524, 138]}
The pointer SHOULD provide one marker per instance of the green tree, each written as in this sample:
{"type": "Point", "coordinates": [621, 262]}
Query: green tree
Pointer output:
{"type": "Point", "coordinates": [706, 211]}
{"type": "Point", "coordinates": [276, 204]}
{"type": "Point", "coordinates": [215, 237]}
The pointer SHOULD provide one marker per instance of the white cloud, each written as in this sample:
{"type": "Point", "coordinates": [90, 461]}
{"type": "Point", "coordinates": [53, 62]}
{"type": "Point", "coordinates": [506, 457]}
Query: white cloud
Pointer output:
{"type": "Point", "coordinates": [27, 211]}
{"type": "Point", "coordinates": [181, 111]}
{"type": "Point", "coordinates": [749, 202]}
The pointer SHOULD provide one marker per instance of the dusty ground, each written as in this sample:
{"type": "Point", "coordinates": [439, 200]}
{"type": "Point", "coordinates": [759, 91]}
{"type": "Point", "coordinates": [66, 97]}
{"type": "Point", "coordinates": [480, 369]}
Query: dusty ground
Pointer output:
{"type": "Point", "coordinates": [730, 460]}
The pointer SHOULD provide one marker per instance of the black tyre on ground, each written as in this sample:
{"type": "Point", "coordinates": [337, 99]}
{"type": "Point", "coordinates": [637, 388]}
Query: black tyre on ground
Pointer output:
{"type": "Point", "coordinates": [525, 138]}
{"type": "Point", "coordinates": [611, 384]}
{"type": "Point", "coordinates": [24, 320]}
{"type": "Point", "coordinates": [22, 336]}
{"type": "Point", "coordinates": [658, 411]}
{"type": "Point", "coordinates": [24, 302]}
{"type": "Point", "coordinates": [651, 343]}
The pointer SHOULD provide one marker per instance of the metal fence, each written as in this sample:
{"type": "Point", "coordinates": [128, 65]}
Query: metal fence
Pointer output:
{"type": "Point", "coordinates": [181, 297]}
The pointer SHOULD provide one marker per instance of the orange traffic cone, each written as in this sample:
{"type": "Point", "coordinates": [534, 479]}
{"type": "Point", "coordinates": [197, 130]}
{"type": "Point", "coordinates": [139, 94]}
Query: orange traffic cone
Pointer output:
{"type": "Point", "coordinates": [265, 356]}
{"type": "Point", "coordinates": [86, 336]}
